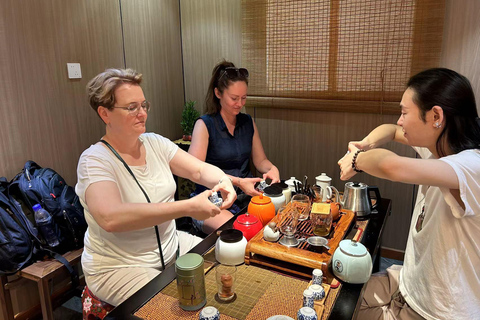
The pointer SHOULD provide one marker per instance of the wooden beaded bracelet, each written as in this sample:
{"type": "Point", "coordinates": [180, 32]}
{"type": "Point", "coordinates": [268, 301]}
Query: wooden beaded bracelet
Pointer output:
{"type": "Point", "coordinates": [354, 160]}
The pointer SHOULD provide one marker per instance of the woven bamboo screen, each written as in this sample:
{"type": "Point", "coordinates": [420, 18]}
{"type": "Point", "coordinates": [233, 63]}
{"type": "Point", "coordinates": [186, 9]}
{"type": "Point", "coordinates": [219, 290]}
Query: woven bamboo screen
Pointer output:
{"type": "Point", "coordinates": [348, 55]}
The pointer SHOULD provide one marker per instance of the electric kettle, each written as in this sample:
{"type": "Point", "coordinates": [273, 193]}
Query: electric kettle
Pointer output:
{"type": "Point", "coordinates": [356, 197]}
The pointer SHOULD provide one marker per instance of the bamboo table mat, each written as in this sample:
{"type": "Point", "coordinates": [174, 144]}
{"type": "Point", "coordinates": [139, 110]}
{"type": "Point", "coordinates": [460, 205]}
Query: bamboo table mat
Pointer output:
{"type": "Point", "coordinates": [260, 294]}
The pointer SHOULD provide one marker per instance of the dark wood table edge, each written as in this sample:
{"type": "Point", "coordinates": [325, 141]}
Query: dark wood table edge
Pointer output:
{"type": "Point", "coordinates": [350, 294]}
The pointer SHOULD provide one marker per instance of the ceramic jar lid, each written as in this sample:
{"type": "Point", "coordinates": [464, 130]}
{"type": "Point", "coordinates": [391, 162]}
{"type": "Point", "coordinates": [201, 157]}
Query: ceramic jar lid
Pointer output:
{"type": "Point", "coordinates": [353, 248]}
{"type": "Point", "coordinates": [189, 261]}
{"type": "Point", "coordinates": [323, 178]}
{"type": "Point", "coordinates": [231, 235]}
{"type": "Point", "coordinates": [273, 191]}
{"type": "Point", "coordinates": [247, 219]}
{"type": "Point", "coordinates": [261, 199]}
{"type": "Point", "coordinates": [282, 185]}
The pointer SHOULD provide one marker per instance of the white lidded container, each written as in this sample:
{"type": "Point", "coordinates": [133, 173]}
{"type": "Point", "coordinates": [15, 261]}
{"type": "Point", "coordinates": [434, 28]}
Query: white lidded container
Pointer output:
{"type": "Point", "coordinates": [291, 183]}
{"type": "Point", "coordinates": [276, 196]}
{"type": "Point", "coordinates": [230, 247]}
{"type": "Point", "coordinates": [351, 262]}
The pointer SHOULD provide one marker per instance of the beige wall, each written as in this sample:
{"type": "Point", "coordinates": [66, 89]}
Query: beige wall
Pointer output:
{"type": "Point", "coordinates": [211, 31]}
{"type": "Point", "coordinates": [461, 41]}
{"type": "Point", "coordinates": [45, 115]}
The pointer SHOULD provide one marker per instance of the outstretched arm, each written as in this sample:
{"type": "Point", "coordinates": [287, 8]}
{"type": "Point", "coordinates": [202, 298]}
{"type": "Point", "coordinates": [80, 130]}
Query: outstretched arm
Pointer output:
{"type": "Point", "coordinates": [385, 164]}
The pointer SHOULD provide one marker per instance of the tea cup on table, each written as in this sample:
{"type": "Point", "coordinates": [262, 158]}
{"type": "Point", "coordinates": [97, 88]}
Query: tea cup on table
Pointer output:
{"type": "Point", "coordinates": [303, 205]}
{"type": "Point", "coordinates": [226, 277]}
{"type": "Point", "coordinates": [321, 219]}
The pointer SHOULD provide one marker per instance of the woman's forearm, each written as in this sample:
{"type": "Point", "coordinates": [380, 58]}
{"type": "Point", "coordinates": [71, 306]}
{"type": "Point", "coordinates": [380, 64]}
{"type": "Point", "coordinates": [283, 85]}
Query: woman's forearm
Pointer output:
{"type": "Point", "coordinates": [381, 135]}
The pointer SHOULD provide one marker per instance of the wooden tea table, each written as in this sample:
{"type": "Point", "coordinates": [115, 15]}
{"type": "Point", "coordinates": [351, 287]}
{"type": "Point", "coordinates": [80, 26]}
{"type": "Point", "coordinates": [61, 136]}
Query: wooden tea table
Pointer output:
{"type": "Point", "coordinates": [345, 306]}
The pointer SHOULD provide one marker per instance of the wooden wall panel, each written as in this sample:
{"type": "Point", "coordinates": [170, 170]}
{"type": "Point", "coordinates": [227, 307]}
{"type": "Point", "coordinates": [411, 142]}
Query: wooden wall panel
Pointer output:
{"type": "Point", "coordinates": [211, 31]}
{"type": "Point", "coordinates": [461, 41]}
{"type": "Point", "coordinates": [153, 47]}
{"type": "Point", "coordinates": [311, 142]}
{"type": "Point", "coordinates": [45, 115]}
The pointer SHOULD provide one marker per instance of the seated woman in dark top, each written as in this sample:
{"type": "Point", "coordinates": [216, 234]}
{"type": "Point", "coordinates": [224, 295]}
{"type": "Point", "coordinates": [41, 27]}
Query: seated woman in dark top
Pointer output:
{"type": "Point", "coordinates": [228, 139]}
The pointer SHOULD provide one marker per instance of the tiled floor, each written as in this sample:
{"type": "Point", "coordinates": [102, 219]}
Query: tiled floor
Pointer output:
{"type": "Point", "coordinates": [72, 309]}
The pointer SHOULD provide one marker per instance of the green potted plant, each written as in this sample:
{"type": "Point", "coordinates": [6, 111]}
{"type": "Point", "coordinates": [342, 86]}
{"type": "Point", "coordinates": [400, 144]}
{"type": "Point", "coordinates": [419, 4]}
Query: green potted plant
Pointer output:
{"type": "Point", "coordinates": [189, 115]}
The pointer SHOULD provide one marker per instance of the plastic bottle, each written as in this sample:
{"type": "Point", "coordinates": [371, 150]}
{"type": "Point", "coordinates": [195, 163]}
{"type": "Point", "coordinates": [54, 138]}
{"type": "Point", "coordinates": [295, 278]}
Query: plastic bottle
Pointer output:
{"type": "Point", "coordinates": [44, 222]}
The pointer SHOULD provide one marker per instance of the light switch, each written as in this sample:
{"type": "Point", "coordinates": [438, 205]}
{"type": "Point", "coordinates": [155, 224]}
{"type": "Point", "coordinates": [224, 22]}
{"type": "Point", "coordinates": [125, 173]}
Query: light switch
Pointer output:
{"type": "Point", "coordinates": [74, 71]}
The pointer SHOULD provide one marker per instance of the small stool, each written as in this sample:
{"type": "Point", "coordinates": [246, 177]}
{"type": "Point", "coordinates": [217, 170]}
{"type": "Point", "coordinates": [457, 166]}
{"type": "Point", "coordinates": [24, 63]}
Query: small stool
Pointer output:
{"type": "Point", "coordinates": [94, 308]}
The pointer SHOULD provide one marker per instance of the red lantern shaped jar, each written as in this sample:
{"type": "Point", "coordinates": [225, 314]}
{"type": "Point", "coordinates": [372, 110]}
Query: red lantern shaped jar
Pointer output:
{"type": "Point", "coordinates": [262, 208]}
{"type": "Point", "coordinates": [248, 224]}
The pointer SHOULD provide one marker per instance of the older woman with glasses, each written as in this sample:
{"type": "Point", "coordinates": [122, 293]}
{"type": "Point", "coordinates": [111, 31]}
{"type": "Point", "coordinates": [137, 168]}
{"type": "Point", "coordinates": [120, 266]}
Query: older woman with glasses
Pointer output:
{"type": "Point", "coordinates": [228, 139]}
{"type": "Point", "coordinates": [126, 187]}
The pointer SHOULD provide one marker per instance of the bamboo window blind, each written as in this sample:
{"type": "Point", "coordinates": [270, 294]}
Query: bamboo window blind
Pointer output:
{"type": "Point", "coordinates": [338, 55]}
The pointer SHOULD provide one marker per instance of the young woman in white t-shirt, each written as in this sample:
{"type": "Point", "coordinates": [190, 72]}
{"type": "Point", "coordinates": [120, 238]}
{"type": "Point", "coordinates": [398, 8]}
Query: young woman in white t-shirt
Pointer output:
{"type": "Point", "coordinates": [440, 277]}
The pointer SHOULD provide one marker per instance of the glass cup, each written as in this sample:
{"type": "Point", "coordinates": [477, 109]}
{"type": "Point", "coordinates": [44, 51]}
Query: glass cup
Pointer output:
{"type": "Point", "coordinates": [318, 194]}
{"type": "Point", "coordinates": [225, 277]}
{"type": "Point", "coordinates": [288, 225]}
{"type": "Point", "coordinates": [303, 205]}
{"type": "Point", "coordinates": [321, 223]}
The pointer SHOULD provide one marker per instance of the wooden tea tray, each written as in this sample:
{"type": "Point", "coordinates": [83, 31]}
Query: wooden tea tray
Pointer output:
{"type": "Point", "coordinates": [259, 251]}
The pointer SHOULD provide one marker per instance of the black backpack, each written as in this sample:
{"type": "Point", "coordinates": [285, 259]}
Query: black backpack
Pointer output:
{"type": "Point", "coordinates": [45, 186]}
{"type": "Point", "coordinates": [19, 244]}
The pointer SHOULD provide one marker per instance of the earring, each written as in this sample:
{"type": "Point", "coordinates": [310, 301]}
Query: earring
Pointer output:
{"type": "Point", "coordinates": [437, 125]}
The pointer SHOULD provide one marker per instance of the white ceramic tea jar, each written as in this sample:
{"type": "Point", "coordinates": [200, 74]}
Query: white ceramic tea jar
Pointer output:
{"type": "Point", "coordinates": [230, 247]}
{"type": "Point", "coordinates": [351, 262]}
{"type": "Point", "coordinates": [291, 183]}
{"type": "Point", "coordinates": [276, 195]}
{"type": "Point", "coordinates": [285, 190]}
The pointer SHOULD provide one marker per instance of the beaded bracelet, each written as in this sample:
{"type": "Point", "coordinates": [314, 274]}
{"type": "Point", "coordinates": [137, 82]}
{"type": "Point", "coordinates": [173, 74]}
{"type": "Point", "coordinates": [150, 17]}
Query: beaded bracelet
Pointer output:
{"type": "Point", "coordinates": [354, 160]}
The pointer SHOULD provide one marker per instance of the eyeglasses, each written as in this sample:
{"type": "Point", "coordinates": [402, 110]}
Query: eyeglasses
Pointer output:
{"type": "Point", "coordinates": [233, 73]}
{"type": "Point", "coordinates": [134, 108]}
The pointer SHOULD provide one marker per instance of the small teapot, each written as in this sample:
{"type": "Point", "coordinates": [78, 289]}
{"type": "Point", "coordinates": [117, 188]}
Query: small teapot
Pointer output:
{"type": "Point", "coordinates": [335, 208]}
{"type": "Point", "coordinates": [356, 197]}
{"type": "Point", "coordinates": [248, 224]}
{"type": "Point", "coordinates": [262, 208]}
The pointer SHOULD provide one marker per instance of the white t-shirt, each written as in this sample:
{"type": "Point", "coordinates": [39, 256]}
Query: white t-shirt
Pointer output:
{"type": "Point", "coordinates": [104, 250]}
{"type": "Point", "coordinates": [440, 278]}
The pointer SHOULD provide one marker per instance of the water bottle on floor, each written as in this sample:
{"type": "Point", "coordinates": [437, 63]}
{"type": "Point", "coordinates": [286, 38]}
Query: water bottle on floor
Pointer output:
{"type": "Point", "coordinates": [44, 222]}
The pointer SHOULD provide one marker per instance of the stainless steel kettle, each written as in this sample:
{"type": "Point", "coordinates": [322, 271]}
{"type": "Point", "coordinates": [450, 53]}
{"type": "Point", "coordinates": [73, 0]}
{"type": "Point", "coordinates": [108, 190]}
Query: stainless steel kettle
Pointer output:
{"type": "Point", "coordinates": [356, 197]}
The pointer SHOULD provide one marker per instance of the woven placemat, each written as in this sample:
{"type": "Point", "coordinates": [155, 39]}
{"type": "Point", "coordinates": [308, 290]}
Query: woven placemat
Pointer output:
{"type": "Point", "coordinates": [260, 294]}
{"type": "Point", "coordinates": [283, 297]}
{"type": "Point", "coordinates": [164, 307]}
{"type": "Point", "coordinates": [251, 284]}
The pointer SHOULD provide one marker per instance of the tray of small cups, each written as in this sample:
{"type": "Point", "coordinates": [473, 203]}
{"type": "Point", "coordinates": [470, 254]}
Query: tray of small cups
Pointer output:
{"type": "Point", "coordinates": [318, 291]}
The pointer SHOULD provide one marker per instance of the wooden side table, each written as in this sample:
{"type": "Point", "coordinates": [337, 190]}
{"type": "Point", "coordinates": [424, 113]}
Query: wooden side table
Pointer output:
{"type": "Point", "coordinates": [42, 272]}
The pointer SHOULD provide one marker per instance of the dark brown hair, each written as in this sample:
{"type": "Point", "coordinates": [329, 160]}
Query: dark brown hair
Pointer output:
{"type": "Point", "coordinates": [454, 94]}
{"type": "Point", "coordinates": [212, 103]}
